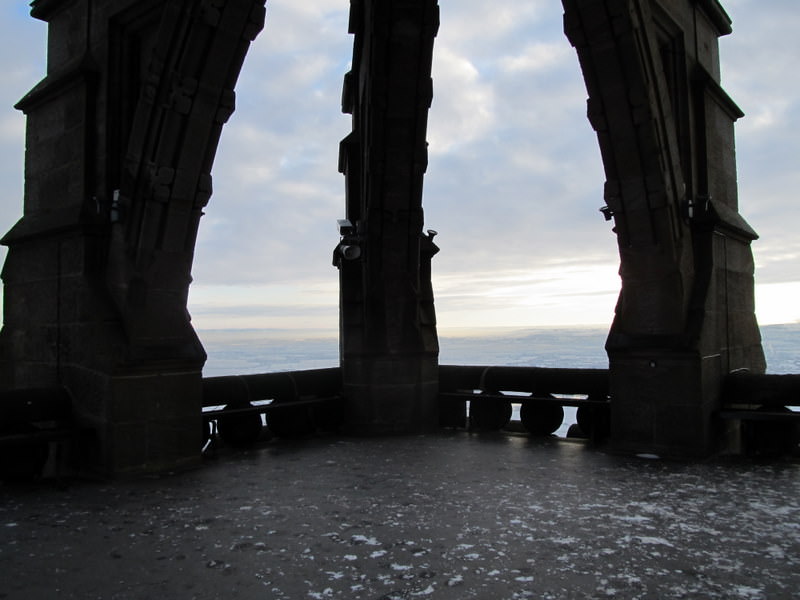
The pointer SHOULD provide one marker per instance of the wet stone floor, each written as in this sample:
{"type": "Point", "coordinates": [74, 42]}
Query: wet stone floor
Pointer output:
{"type": "Point", "coordinates": [445, 516]}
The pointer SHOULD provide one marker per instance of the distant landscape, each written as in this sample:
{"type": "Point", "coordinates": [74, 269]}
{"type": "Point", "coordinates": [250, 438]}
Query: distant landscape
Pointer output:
{"type": "Point", "coordinates": [242, 351]}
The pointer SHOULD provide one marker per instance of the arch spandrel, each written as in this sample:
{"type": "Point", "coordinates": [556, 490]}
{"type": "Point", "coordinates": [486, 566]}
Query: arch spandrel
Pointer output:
{"type": "Point", "coordinates": [187, 96]}
{"type": "Point", "coordinates": [685, 315]}
{"type": "Point", "coordinates": [645, 188]}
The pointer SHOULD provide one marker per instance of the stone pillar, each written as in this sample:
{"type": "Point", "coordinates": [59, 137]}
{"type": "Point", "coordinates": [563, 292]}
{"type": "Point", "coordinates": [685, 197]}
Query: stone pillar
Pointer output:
{"type": "Point", "coordinates": [389, 347]}
{"type": "Point", "coordinates": [121, 136]}
{"type": "Point", "coordinates": [685, 316]}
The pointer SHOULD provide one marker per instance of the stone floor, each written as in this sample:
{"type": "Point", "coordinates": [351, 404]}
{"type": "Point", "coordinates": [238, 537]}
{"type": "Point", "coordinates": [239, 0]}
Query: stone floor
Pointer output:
{"type": "Point", "coordinates": [448, 516]}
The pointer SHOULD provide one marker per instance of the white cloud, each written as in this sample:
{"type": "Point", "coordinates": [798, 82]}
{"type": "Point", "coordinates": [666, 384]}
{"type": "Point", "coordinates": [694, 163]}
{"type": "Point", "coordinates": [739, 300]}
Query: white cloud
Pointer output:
{"type": "Point", "coordinates": [12, 128]}
{"type": "Point", "coordinates": [298, 304]}
{"type": "Point", "coordinates": [777, 302]}
{"type": "Point", "coordinates": [475, 26]}
{"type": "Point", "coordinates": [463, 108]}
{"type": "Point", "coordinates": [514, 180]}
{"type": "Point", "coordinates": [766, 116]}
{"type": "Point", "coordinates": [558, 294]}
{"type": "Point", "coordinates": [293, 27]}
{"type": "Point", "coordinates": [777, 260]}
{"type": "Point", "coordinates": [535, 57]}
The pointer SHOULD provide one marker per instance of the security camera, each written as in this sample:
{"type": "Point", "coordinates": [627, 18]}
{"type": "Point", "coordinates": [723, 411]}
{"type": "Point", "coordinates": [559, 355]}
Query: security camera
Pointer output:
{"type": "Point", "coordinates": [346, 227]}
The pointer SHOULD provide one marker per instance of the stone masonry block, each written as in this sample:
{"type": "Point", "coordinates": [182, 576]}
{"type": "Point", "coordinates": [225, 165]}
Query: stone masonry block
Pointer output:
{"type": "Point", "coordinates": [174, 443]}
{"type": "Point", "coordinates": [33, 303]}
{"type": "Point", "coordinates": [391, 409]}
{"type": "Point", "coordinates": [31, 263]}
{"type": "Point", "coordinates": [125, 448]}
{"type": "Point", "coordinates": [687, 427]}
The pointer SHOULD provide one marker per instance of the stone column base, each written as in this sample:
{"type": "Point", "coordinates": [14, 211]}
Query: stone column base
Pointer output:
{"type": "Point", "coordinates": [664, 402]}
{"type": "Point", "coordinates": [142, 422]}
{"type": "Point", "coordinates": [390, 395]}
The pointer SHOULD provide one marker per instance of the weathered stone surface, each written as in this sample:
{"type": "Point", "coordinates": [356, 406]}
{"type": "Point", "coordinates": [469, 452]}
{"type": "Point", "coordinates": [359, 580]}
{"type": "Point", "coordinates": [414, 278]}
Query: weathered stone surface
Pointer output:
{"type": "Point", "coordinates": [120, 141]}
{"type": "Point", "coordinates": [685, 315]}
{"type": "Point", "coordinates": [388, 324]}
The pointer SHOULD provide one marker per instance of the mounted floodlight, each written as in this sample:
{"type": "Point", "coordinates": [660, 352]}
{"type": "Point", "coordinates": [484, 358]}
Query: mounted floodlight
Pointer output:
{"type": "Point", "coordinates": [607, 212]}
{"type": "Point", "coordinates": [350, 252]}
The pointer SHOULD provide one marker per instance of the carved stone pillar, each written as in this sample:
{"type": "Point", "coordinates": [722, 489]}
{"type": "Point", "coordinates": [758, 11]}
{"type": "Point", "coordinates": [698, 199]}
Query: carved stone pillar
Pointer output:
{"type": "Point", "coordinates": [685, 316]}
{"type": "Point", "coordinates": [389, 347]}
{"type": "Point", "coordinates": [121, 137]}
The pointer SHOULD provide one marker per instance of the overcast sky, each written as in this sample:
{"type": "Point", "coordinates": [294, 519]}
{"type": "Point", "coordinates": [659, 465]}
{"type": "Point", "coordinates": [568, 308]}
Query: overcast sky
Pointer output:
{"type": "Point", "coordinates": [514, 181]}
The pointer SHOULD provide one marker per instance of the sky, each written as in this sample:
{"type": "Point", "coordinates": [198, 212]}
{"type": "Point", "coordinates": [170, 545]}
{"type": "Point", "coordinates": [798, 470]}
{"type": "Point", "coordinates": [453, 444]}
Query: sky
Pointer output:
{"type": "Point", "coordinates": [514, 180]}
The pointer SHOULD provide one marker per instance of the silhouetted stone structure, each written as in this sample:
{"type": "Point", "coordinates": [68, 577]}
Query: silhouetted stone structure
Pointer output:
{"type": "Point", "coordinates": [389, 347]}
{"type": "Point", "coordinates": [685, 316]}
{"type": "Point", "coordinates": [121, 138]}
{"type": "Point", "coordinates": [120, 142]}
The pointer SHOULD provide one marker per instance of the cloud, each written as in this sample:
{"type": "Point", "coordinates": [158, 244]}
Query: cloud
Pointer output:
{"type": "Point", "coordinates": [757, 60]}
{"type": "Point", "coordinates": [580, 294]}
{"type": "Point", "coordinates": [474, 27]}
{"type": "Point", "coordinates": [777, 302]}
{"type": "Point", "coordinates": [12, 128]}
{"type": "Point", "coordinates": [295, 304]}
{"type": "Point", "coordinates": [302, 28]}
{"type": "Point", "coordinates": [514, 180]}
{"type": "Point", "coordinates": [535, 57]}
{"type": "Point", "coordinates": [463, 110]}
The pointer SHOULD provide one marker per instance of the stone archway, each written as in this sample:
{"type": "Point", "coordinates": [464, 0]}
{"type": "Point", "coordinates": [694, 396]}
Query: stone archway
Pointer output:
{"type": "Point", "coordinates": [121, 137]}
{"type": "Point", "coordinates": [686, 315]}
